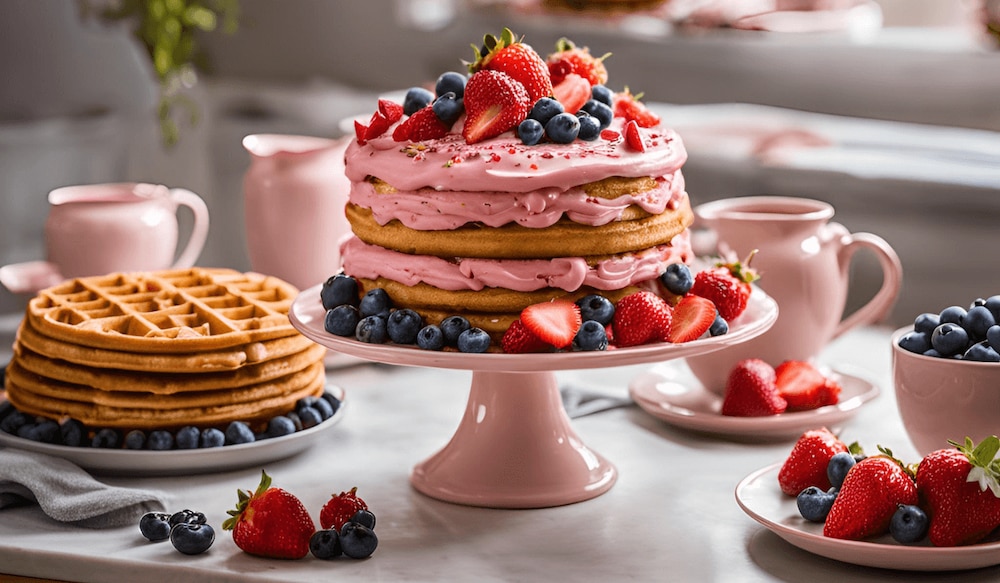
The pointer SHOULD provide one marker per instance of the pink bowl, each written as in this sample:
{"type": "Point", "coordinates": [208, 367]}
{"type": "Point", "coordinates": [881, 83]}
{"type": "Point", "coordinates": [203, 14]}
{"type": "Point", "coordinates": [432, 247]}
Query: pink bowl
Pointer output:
{"type": "Point", "coordinates": [941, 399]}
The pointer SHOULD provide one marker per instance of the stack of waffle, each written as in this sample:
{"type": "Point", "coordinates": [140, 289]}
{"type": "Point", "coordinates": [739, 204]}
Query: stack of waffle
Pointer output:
{"type": "Point", "coordinates": [163, 350]}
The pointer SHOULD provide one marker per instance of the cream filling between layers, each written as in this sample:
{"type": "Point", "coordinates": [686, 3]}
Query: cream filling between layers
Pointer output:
{"type": "Point", "coordinates": [567, 273]}
{"type": "Point", "coordinates": [431, 210]}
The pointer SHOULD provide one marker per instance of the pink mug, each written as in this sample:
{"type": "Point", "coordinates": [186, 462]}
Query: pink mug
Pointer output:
{"type": "Point", "coordinates": [803, 259]}
{"type": "Point", "coordinates": [294, 193]}
{"type": "Point", "coordinates": [104, 228]}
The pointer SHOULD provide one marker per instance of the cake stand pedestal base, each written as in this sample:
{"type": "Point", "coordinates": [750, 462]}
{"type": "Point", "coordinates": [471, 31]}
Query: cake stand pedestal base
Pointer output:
{"type": "Point", "coordinates": [514, 448]}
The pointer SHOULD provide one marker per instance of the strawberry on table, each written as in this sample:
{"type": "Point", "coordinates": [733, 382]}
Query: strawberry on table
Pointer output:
{"type": "Point", "coordinates": [641, 317]}
{"type": "Point", "coordinates": [513, 57]}
{"type": "Point", "coordinates": [807, 463]}
{"type": "Point", "coordinates": [569, 58]}
{"type": "Point", "coordinates": [494, 103]}
{"type": "Point", "coordinates": [692, 317]}
{"type": "Point", "coordinates": [871, 493]}
{"type": "Point", "coordinates": [751, 392]}
{"type": "Point", "coordinates": [340, 508]}
{"type": "Point", "coordinates": [959, 488]}
{"type": "Point", "coordinates": [727, 285]}
{"type": "Point", "coordinates": [804, 387]}
{"type": "Point", "coordinates": [270, 522]}
{"type": "Point", "coordinates": [555, 322]}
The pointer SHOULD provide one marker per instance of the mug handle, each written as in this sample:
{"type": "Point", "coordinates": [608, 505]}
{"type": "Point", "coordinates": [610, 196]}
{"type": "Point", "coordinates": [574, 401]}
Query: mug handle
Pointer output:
{"type": "Point", "coordinates": [892, 279]}
{"type": "Point", "coordinates": [199, 231]}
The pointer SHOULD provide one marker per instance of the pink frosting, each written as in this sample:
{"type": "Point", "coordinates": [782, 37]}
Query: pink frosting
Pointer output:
{"type": "Point", "coordinates": [433, 210]}
{"type": "Point", "coordinates": [505, 164]}
{"type": "Point", "coordinates": [568, 273]}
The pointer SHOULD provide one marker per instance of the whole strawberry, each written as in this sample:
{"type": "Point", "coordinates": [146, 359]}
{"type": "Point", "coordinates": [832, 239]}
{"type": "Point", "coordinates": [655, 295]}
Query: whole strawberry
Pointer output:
{"type": "Point", "coordinates": [570, 58]}
{"type": "Point", "coordinates": [629, 107]}
{"type": "Point", "coordinates": [751, 392]}
{"type": "Point", "coordinates": [872, 491]}
{"type": "Point", "coordinates": [641, 317]}
{"type": "Point", "coordinates": [270, 522]}
{"type": "Point", "coordinates": [807, 462]}
{"type": "Point", "coordinates": [509, 55]}
{"type": "Point", "coordinates": [959, 489]}
{"type": "Point", "coordinates": [494, 103]}
{"type": "Point", "coordinates": [727, 285]}
{"type": "Point", "coordinates": [340, 508]}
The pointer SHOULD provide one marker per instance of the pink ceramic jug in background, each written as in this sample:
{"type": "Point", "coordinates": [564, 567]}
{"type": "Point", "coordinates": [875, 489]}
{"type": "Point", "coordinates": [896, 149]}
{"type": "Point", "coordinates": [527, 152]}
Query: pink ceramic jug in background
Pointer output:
{"type": "Point", "coordinates": [295, 192]}
{"type": "Point", "coordinates": [104, 228]}
{"type": "Point", "coordinates": [804, 262]}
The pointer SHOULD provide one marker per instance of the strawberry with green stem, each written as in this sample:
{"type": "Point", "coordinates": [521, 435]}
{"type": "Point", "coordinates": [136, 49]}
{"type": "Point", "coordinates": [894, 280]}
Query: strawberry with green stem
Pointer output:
{"type": "Point", "coordinates": [960, 491]}
{"type": "Point", "coordinates": [508, 54]}
{"type": "Point", "coordinates": [872, 491]}
{"type": "Point", "coordinates": [727, 285]}
{"type": "Point", "coordinates": [270, 522]}
{"type": "Point", "coordinates": [571, 59]}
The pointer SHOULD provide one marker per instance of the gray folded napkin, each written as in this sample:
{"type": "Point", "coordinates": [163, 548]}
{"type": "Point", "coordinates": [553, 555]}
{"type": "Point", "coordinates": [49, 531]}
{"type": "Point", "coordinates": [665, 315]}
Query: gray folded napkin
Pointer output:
{"type": "Point", "coordinates": [67, 493]}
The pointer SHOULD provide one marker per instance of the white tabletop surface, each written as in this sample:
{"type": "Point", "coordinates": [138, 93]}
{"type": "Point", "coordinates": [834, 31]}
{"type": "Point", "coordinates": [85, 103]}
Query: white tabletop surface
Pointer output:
{"type": "Point", "coordinates": [671, 515]}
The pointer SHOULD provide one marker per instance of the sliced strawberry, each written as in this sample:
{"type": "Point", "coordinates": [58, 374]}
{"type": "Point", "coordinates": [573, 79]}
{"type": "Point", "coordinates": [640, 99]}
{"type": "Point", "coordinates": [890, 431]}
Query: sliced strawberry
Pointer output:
{"type": "Point", "coordinates": [519, 340]}
{"type": "Point", "coordinates": [751, 392]}
{"type": "Point", "coordinates": [390, 109]}
{"type": "Point", "coordinates": [629, 107]}
{"type": "Point", "coordinates": [610, 135]}
{"type": "Point", "coordinates": [804, 387]}
{"type": "Point", "coordinates": [360, 130]}
{"type": "Point", "coordinates": [693, 316]}
{"type": "Point", "coordinates": [555, 322]}
{"type": "Point", "coordinates": [377, 125]}
{"type": "Point", "coordinates": [494, 103]}
{"type": "Point", "coordinates": [633, 136]}
{"type": "Point", "coordinates": [572, 92]}
{"type": "Point", "coordinates": [422, 125]}
{"type": "Point", "coordinates": [641, 317]}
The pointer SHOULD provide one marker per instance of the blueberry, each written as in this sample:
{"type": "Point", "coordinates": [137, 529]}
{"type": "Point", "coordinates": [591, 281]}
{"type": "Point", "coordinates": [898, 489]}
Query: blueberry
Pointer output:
{"type": "Point", "coordinates": [107, 438]}
{"type": "Point", "coordinates": [212, 437]}
{"type": "Point", "coordinates": [603, 94]}
{"type": "Point", "coordinates": [918, 342]}
{"type": "Point", "coordinates": [926, 322]}
{"type": "Point", "coordinates": [993, 337]}
{"type": "Point", "coordinates": [596, 307]}
{"type": "Point", "coordinates": [238, 432]}
{"type": "Point", "coordinates": [448, 108]}
{"type": "Point", "coordinates": [430, 337]}
{"type": "Point", "coordinates": [473, 340]}
{"type": "Point", "coordinates": [73, 433]}
{"type": "Point", "coordinates": [599, 110]}
{"type": "Point", "coordinates": [294, 418]}
{"type": "Point", "coordinates": [155, 526]}
{"type": "Point", "coordinates": [992, 304]}
{"type": "Point", "coordinates": [375, 303]}
{"type": "Point", "coordinates": [186, 516]}
{"type": "Point", "coordinates": [563, 128]}
{"type": "Point", "coordinates": [46, 431]}
{"type": "Point", "coordinates": [953, 315]}
{"type": "Point", "coordinates": [977, 321]}
{"type": "Point", "coordinates": [372, 330]}
{"type": "Point", "coordinates": [160, 440]}
{"type": "Point", "coordinates": [452, 327]}
{"type": "Point", "coordinates": [364, 518]}
{"type": "Point", "coordinates": [545, 109]}
{"type": "Point", "coordinates": [357, 541]}
{"type": "Point", "coordinates": [192, 539]}
{"type": "Point", "coordinates": [14, 421]}
{"type": "Point", "coordinates": [837, 468]}
{"type": "Point", "coordinates": [450, 82]}
{"type": "Point", "coordinates": [333, 401]}
{"type": "Point", "coordinates": [339, 290]}
{"type": "Point", "coordinates": [591, 336]}
{"type": "Point", "coordinates": [530, 131]}
{"type": "Point", "coordinates": [403, 326]}
{"type": "Point", "coordinates": [590, 127]}
{"type": "Point", "coordinates": [719, 326]}
{"type": "Point", "coordinates": [187, 437]}
{"type": "Point", "coordinates": [135, 439]}
{"type": "Point", "coordinates": [949, 339]}
{"type": "Point", "coordinates": [310, 417]}
{"type": "Point", "coordinates": [677, 278]}
{"type": "Point", "coordinates": [280, 426]}
{"type": "Point", "coordinates": [814, 504]}
{"type": "Point", "coordinates": [981, 352]}
{"type": "Point", "coordinates": [324, 407]}
{"type": "Point", "coordinates": [342, 320]}
{"type": "Point", "coordinates": [416, 99]}
{"type": "Point", "coordinates": [909, 524]}
{"type": "Point", "coordinates": [325, 544]}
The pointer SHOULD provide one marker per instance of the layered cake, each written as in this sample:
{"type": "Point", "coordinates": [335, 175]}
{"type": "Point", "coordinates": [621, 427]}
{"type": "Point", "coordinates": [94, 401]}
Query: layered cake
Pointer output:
{"type": "Point", "coordinates": [163, 350]}
{"type": "Point", "coordinates": [500, 208]}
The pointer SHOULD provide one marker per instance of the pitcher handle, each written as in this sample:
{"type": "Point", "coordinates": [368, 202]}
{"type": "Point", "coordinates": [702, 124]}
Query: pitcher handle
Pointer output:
{"type": "Point", "coordinates": [199, 231]}
{"type": "Point", "coordinates": [892, 278]}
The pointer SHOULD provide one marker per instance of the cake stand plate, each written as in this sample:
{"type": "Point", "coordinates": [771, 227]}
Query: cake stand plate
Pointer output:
{"type": "Point", "coordinates": [515, 446]}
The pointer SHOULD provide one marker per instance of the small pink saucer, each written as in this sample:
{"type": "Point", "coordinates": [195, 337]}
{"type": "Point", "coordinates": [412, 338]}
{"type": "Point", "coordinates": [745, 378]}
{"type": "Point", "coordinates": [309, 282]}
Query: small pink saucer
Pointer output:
{"type": "Point", "coordinates": [29, 277]}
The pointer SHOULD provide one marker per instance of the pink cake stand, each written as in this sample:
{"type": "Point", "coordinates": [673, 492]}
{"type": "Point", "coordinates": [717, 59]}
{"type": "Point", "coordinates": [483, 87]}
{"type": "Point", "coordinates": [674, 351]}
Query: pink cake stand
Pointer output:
{"type": "Point", "coordinates": [515, 447]}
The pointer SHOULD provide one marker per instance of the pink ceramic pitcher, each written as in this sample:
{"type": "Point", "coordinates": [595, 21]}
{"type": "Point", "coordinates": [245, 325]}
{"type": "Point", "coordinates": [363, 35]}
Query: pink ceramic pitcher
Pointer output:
{"type": "Point", "coordinates": [804, 262]}
{"type": "Point", "coordinates": [294, 192]}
